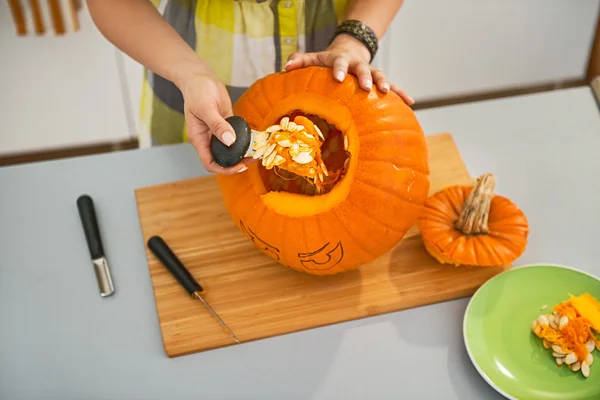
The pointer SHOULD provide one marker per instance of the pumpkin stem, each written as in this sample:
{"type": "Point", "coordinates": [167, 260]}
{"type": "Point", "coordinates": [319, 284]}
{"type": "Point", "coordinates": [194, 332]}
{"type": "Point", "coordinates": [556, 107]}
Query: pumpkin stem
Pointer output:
{"type": "Point", "coordinates": [473, 218]}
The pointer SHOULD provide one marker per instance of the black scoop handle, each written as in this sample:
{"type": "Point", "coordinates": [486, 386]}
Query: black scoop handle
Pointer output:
{"type": "Point", "coordinates": [228, 156]}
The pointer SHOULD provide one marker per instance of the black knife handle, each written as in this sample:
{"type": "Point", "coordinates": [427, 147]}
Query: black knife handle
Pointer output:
{"type": "Point", "coordinates": [87, 214]}
{"type": "Point", "coordinates": [164, 253]}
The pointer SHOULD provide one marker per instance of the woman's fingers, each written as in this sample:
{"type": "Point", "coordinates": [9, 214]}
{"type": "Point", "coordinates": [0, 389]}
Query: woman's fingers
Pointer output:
{"type": "Point", "coordinates": [340, 68]}
{"type": "Point", "coordinates": [362, 71]}
{"type": "Point", "coordinates": [380, 80]}
{"type": "Point", "coordinates": [299, 60]}
{"type": "Point", "coordinates": [407, 99]}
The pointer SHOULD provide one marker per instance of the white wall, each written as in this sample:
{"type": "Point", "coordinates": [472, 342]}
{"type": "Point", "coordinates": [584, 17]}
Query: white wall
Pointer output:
{"type": "Point", "coordinates": [66, 91]}
{"type": "Point", "coordinates": [442, 48]}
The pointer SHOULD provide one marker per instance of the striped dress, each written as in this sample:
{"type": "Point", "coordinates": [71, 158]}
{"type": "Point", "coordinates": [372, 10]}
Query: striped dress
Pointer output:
{"type": "Point", "coordinates": [242, 40]}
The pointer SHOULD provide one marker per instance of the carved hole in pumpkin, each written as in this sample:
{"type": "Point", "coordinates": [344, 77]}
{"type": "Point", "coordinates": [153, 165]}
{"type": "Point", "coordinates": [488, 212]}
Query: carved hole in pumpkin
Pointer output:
{"type": "Point", "coordinates": [334, 158]}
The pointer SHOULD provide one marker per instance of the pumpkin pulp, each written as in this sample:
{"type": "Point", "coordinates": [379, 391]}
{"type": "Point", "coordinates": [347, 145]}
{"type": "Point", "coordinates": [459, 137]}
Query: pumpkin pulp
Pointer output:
{"type": "Point", "coordinates": [319, 177]}
{"type": "Point", "coordinates": [292, 194]}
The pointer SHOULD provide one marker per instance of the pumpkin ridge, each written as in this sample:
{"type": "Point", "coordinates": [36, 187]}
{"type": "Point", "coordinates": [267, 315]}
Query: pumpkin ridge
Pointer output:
{"type": "Point", "coordinates": [395, 195]}
{"type": "Point", "coordinates": [359, 210]}
{"type": "Point", "coordinates": [437, 216]}
{"type": "Point", "coordinates": [494, 250]}
{"type": "Point", "coordinates": [487, 253]}
{"type": "Point", "coordinates": [262, 92]}
{"type": "Point", "coordinates": [404, 167]}
{"type": "Point", "coordinates": [350, 235]}
{"type": "Point", "coordinates": [233, 203]}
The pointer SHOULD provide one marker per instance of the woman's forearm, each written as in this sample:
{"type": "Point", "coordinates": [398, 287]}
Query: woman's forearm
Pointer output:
{"type": "Point", "coordinates": [376, 14]}
{"type": "Point", "coordinates": [137, 28]}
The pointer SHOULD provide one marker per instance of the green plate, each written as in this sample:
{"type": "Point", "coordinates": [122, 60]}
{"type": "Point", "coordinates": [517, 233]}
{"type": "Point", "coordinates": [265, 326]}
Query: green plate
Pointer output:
{"type": "Point", "coordinates": [507, 354]}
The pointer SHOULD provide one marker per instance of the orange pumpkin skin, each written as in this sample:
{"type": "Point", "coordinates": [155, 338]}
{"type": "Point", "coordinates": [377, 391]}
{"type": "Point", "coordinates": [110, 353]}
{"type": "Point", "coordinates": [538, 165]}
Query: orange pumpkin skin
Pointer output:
{"type": "Point", "coordinates": [373, 205]}
{"type": "Point", "coordinates": [506, 241]}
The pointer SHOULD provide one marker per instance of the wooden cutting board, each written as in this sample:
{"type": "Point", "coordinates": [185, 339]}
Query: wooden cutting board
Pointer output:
{"type": "Point", "coordinates": [258, 298]}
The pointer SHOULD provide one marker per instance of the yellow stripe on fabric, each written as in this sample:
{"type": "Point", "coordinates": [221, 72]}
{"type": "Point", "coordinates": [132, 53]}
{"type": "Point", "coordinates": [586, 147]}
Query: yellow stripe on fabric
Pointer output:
{"type": "Point", "coordinates": [219, 13]}
{"type": "Point", "coordinates": [146, 104]}
{"type": "Point", "coordinates": [253, 19]}
{"type": "Point", "coordinates": [185, 134]}
{"type": "Point", "coordinates": [288, 29]}
{"type": "Point", "coordinates": [214, 38]}
{"type": "Point", "coordinates": [300, 18]}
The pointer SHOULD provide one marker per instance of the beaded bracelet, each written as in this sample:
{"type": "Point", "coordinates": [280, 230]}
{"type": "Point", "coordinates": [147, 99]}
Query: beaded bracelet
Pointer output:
{"type": "Point", "coordinates": [361, 32]}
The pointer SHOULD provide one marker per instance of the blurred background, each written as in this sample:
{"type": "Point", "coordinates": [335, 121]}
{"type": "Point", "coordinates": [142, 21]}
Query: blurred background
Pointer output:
{"type": "Point", "coordinates": [75, 94]}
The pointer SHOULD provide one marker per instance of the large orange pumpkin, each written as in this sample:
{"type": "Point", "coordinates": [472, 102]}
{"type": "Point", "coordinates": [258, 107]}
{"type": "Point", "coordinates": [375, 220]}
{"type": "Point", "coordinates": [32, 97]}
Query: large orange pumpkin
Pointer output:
{"type": "Point", "coordinates": [377, 157]}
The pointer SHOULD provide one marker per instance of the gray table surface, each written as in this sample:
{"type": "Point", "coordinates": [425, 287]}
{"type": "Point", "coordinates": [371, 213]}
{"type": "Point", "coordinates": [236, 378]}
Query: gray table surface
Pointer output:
{"type": "Point", "coordinates": [60, 340]}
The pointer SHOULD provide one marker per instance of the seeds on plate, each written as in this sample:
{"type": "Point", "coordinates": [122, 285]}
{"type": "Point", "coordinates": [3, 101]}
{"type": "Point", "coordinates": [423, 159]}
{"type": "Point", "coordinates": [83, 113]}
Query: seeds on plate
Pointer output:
{"type": "Point", "coordinates": [571, 332]}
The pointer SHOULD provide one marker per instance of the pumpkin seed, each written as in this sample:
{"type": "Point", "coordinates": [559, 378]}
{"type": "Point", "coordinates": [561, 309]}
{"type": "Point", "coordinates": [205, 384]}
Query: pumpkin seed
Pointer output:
{"type": "Point", "coordinates": [558, 355]}
{"type": "Point", "coordinates": [589, 345]}
{"type": "Point", "coordinates": [553, 321]}
{"type": "Point", "coordinates": [299, 128]}
{"type": "Point", "coordinates": [560, 360]}
{"type": "Point", "coordinates": [321, 177]}
{"type": "Point", "coordinates": [319, 132]}
{"type": "Point", "coordinates": [346, 148]}
{"type": "Point", "coordinates": [542, 319]}
{"type": "Point", "coordinates": [558, 349]}
{"type": "Point", "coordinates": [312, 171]}
{"type": "Point", "coordinates": [544, 307]}
{"type": "Point", "coordinates": [259, 145]}
{"type": "Point", "coordinates": [547, 344]}
{"type": "Point", "coordinates": [273, 128]}
{"type": "Point", "coordinates": [570, 358]}
{"type": "Point", "coordinates": [308, 135]}
{"type": "Point", "coordinates": [278, 160]}
{"type": "Point", "coordinates": [324, 168]}
{"type": "Point", "coordinates": [284, 143]}
{"type": "Point", "coordinates": [575, 366]}
{"type": "Point", "coordinates": [270, 150]}
{"type": "Point", "coordinates": [284, 123]}
{"type": "Point", "coordinates": [589, 359]}
{"type": "Point", "coordinates": [291, 126]}
{"type": "Point", "coordinates": [294, 150]}
{"type": "Point", "coordinates": [302, 158]}
{"type": "Point", "coordinates": [564, 320]}
{"type": "Point", "coordinates": [261, 137]}
{"type": "Point", "coordinates": [267, 161]}
{"type": "Point", "coordinates": [585, 369]}
{"type": "Point", "coordinates": [259, 153]}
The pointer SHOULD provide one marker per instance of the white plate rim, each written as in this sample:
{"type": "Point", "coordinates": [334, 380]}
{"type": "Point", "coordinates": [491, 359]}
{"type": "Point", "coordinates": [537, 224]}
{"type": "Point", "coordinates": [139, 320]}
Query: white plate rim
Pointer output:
{"type": "Point", "coordinates": [486, 378]}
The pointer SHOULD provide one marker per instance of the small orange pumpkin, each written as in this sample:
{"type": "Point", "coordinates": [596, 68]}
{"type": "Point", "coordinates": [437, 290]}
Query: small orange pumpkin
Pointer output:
{"type": "Point", "coordinates": [471, 226]}
{"type": "Point", "coordinates": [376, 156]}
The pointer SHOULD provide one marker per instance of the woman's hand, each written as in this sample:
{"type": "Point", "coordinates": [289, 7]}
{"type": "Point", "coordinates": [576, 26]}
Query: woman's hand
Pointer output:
{"type": "Point", "coordinates": [206, 105]}
{"type": "Point", "coordinates": [348, 55]}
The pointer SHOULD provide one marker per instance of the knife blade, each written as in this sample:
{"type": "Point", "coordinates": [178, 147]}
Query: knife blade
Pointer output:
{"type": "Point", "coordinates": [89, 222]}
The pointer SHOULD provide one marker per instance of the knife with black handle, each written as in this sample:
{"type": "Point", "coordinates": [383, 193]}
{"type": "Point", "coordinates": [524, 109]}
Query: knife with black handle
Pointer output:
{"type": "Point", "coordinates": [87, 215]}
{"type": "Point", "coordinates": [165, 255]}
